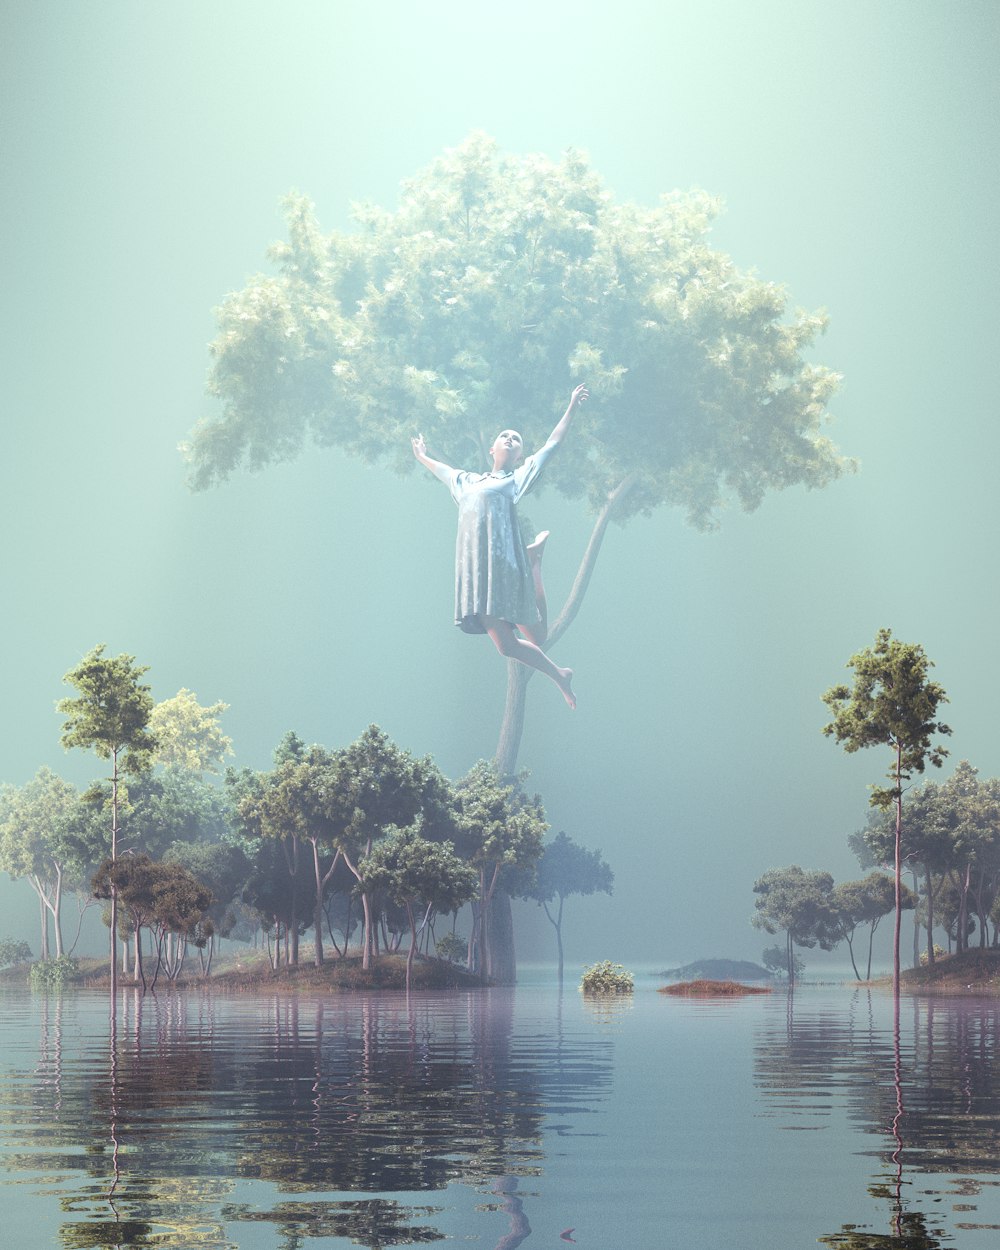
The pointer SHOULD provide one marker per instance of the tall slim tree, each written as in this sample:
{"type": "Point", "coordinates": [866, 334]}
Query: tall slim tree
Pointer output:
{"type": "Point", "coordinates": [110, 715]}
{"type": "Point", "coordinates": [893, 703]}
{"type": "Point", "coordinates": [497, 283]}
{"type": "Point", "coordinates": [566, 868]}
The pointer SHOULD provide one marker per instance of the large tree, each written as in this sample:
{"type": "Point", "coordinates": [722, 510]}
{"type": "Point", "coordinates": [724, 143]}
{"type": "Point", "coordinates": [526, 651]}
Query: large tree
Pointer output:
{"type": "Point", "coordinates": [500, 829]}
{"type": "Point", "coordinates": [410, 871]}
{"type": "Point", "coordinates": [110, 715]}
{"type": "Point", "coordinates": [496, 283]}
{"type": "Point", "coordinates": [799, 904]}
{"type": "Point", "coordinates": [866, 902]}
{"type": "Point", "coordinates": [892, 703]}
{"type": "Point", "coordinates": [36, 844]}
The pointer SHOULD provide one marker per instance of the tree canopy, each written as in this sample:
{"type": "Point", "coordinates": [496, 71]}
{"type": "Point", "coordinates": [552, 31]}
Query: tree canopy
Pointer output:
{"type": "Point", "coordinates": [496, 282]}
{"type": "Point", "coordinates": [800, 905]}
{"type": "Point", "coordinates": [188, 735]}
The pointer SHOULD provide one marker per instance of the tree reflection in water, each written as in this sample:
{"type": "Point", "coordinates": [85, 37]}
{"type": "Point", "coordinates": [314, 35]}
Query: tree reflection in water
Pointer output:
{"type": "Point", "coordinates": [932, 1095]}
{"type": "Point", "coordinates": [357, 1098]}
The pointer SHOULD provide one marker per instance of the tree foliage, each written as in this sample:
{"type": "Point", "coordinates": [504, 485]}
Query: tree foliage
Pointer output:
{"type": "Point", "coordinates": [495, 282]}
{"type": "Point", "coordinates": [189, 736]}
{"type": "Point", "coordinates": [412, 872]}
{"type": "Point", "coordinates": [951, 838]}
{"type": "Point", "coordinates": [800, 905]}
{"type": "Point", "coordinates": [500, 829]}
{"type": "Point", "coordinates": [111, 711]}
{"type": "Point", "coordinates": [36, 845]}
{"type": "Point", "coordinates": [866, 902]}
{"type": "Point", "coordinates": [160, 896]}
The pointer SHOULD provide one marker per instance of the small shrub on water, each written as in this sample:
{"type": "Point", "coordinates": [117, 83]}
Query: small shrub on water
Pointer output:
{"type": "Point", "coordinates": [607, 978]}
{"type": "Point", "coordinates": [53, 973]}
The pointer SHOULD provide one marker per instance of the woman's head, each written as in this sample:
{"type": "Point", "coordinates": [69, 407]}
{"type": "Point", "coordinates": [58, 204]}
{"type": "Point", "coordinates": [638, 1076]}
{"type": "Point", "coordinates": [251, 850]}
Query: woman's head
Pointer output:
{"type": "Point", "coordinates": [507, 450]}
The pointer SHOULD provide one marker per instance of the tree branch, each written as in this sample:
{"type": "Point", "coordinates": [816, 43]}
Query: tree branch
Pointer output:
{"type": "Point", "coordinates": [586, 569]}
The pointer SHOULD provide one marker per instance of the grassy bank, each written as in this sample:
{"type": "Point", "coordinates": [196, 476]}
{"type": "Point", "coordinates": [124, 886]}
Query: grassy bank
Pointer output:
{"type": "Point", "coordinates": [971, 972]}
{"type": "Point", "coordinates": [252, 973]}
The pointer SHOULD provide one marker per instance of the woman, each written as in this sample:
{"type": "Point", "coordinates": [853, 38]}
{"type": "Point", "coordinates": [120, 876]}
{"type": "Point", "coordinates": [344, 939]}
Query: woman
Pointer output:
{"type": "Point", "coordinates": [498, 579]}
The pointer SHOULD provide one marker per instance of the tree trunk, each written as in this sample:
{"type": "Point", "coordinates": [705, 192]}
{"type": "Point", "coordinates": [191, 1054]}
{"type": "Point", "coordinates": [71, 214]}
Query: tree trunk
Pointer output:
{"type": "Point", "coordinates": [57, 912]}
{"type": "Point", "coordinates": [44, 946]}
{"type": "Point", "coordinates": [929, 887]}
{"type": "Point", "coordinates": [916, 920]}
{"type": "Point", "coordinates": [898, 878]}
{"type": "Point", "coordinates": [318, 909]}
{"type": "Point", "coordinates": [559, 941]}
{"type": "Point", "coordinates": [140, 974]}
{"type": "Point", "coordinates": [500, 939]}
{"type": "Point", "coordinates": [850, 947]}
{"type": "Point", "coordinates": [413, 946]}
{"type": "Point", "coordinates": [114, 891]}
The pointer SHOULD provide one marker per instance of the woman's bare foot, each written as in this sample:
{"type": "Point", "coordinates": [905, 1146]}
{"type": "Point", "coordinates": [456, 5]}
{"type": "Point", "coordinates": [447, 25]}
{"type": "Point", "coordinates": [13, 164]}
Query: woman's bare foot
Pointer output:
{"type": "Point", "coordinates": [535, 549]}
{"type": "Point", "coordinates": [564, 682]}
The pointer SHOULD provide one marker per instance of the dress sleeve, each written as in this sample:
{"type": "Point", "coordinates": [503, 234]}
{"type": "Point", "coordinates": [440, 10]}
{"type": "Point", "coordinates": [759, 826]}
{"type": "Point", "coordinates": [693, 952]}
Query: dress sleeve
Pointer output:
{"type": "Point", "coordinates": [526, 474]}
{"type": "Point", "coordinates": [456, 482]}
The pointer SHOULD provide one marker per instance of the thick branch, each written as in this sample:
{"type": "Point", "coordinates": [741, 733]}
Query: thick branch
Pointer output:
{"type": "Point", "coordinates": [586, 569]}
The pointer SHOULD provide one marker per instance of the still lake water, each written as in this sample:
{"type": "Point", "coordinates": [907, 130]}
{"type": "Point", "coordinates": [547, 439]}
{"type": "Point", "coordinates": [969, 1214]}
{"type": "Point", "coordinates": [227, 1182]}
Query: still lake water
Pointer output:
{"type": "Point", "coordinates": [498, 1119]}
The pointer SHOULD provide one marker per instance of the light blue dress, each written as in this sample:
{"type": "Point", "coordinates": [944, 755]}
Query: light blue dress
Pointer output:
{"type": "Point", "coordinates": [492, 569]}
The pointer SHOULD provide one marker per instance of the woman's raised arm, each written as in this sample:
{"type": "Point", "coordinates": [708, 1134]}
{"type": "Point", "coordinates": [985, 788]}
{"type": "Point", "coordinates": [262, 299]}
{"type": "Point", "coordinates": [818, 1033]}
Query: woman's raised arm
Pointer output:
{"type": "Point", "coordinates": [580, 396]}
{"type": "Point", "coordinates": [440, 470]}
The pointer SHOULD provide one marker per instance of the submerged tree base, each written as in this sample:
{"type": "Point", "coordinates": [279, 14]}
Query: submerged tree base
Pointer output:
{"type": "Point", "coordinates": [714, 989]}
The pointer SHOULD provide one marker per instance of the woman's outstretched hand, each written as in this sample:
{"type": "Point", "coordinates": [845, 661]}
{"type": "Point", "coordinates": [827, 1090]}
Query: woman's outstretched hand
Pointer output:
{"type": "Point", "coordinates": [419, 446]}
{"type": "Point", "coordinates": [580, 395]}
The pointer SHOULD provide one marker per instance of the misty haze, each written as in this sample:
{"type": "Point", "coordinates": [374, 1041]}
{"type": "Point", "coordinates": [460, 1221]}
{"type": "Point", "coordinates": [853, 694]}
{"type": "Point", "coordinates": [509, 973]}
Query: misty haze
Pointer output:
{"type": "Point", "coordinates": [681, 317]}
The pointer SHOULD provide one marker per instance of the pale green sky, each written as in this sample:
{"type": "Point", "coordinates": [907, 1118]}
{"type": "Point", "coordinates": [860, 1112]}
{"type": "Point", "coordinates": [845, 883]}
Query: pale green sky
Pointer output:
{"type": "Point", "coordinates": [855, 145]}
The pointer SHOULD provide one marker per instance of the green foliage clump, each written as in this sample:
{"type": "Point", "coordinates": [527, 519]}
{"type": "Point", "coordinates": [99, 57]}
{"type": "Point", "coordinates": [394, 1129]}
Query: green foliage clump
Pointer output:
{"type": "Point", "coordinates": [452, 947]}
{"type": "Point", "coordinates": [939, 953]}
{"type": "Point", "coordinates": [13, 952]}
{"type": "Point", "coordinates": [53, 973]}
{"type": "Point", "coordinates": [775, 959]}
{"type": "Point", "coordinates": [607, 978]}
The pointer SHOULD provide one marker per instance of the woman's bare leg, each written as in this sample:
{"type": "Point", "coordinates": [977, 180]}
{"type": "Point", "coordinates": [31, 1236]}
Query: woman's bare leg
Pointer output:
{"type": "Point", "coordinates": [507, 642]}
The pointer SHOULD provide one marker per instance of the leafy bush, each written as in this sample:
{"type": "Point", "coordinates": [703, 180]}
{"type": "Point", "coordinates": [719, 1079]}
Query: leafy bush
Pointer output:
{"type": "Point", "coordinates": [52, 973]}
{"type": "Point", "coordinates": [13, 952]}
{"type": "Point", "coordinates": [939, 953]}
{"type": "Point", "coordinates": [607, 978]}
{"type": "Point", "coordinates": [775, 959]}
{"type": "Point", "coordinates": [452, 948]}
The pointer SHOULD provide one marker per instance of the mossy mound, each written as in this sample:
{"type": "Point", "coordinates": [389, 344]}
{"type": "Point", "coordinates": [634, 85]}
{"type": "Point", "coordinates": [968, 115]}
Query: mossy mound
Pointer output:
{"type": "Point", "coordinates": [971, 972]}
{"type": "Point", "coordinates": [252, 973]}
{"type": "Point", "coordinates": [713, 989]}
{"type": "Point", "coordinates": [387, 972]}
